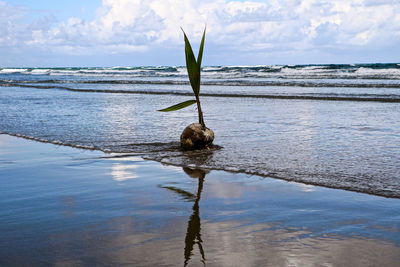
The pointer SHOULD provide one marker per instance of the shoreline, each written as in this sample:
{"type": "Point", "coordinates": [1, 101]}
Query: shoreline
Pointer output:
{"type": "Point", "coordinates": [61, 205]}
{"type": "Point", "coordinates": [250, 96]}
{"type": "Point", "coordinates": [144, 157]}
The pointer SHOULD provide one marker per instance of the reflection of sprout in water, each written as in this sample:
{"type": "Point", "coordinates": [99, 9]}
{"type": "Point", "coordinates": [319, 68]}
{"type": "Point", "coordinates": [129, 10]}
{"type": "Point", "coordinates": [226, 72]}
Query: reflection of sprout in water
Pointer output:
{"type": "Point", "coordinates": [193, 233]}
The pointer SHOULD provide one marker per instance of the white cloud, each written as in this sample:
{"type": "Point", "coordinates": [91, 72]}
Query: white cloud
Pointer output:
{"type": "Point", "coordinates": [10, 28]}
{"type": "Point", "coordinates": [274, 27]}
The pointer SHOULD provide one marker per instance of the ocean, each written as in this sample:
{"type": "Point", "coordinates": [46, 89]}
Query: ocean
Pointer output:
{"type": "Point", "coordinates": [336, 126]}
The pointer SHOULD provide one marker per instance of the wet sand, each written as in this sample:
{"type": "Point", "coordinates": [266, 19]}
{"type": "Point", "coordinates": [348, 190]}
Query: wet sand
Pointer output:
{"type": "Point", "coordinates": [62, 206]}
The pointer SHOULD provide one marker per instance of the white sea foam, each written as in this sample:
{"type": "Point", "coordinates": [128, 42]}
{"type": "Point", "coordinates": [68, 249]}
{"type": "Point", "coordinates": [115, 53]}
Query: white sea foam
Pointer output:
{"type": "Point", "coordinates": [232, 169]}
{"type": "Point", "coordinates": [370, 71]}
{"type": "Point", "coordinates": [40, 71]}
{"type": "Point", "coordinates": [211, 68]}
{"type": "Point", "coordinates": [13, 70]}
{"type": "Point", "coordinates": [304, 71]}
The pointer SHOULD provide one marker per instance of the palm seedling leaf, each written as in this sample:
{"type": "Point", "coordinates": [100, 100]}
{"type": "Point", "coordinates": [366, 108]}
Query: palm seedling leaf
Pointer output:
{"type": "Point", "coordinates": [178, 106]}
{"type": "Point", "coordinates": [200, 55]}
{"type": "Point", "coordinates": [192, 67]}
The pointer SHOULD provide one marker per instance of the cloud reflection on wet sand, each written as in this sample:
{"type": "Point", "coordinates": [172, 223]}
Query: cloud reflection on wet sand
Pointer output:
{"type": "Point", "coordinates": [227, 243]}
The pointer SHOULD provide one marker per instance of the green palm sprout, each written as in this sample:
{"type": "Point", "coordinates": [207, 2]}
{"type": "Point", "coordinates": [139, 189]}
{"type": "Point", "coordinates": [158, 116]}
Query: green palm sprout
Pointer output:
{"type": "Point", "coordinates": [193, 67]}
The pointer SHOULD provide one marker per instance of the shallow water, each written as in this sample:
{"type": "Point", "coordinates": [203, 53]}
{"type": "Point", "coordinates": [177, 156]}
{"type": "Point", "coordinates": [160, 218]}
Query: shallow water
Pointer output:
{"type": "Point", "coordinates": [63, 206]}
{"type": "Point", "coordinates": [291, 122]}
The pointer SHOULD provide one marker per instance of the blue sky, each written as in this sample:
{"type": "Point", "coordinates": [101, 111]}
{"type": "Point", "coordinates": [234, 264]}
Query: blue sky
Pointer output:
{"type": "Point", "coordinates": [63, 10]}
{"type": "Point", "coordinates": [51, 33]}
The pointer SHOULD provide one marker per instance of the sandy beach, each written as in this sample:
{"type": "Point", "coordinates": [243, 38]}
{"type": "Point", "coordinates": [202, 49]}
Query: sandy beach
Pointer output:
{"type": "Point", "coordinates": [62, 206]}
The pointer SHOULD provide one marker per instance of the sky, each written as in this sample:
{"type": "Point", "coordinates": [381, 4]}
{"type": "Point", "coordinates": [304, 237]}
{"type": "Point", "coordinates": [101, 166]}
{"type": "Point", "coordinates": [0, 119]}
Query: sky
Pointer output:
{"type": "Point", "coordinates": [48, 33]}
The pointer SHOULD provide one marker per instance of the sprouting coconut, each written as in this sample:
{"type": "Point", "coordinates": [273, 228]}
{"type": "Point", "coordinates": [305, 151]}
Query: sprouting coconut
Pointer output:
{"type": "Point", "coordinates": [196, 135]}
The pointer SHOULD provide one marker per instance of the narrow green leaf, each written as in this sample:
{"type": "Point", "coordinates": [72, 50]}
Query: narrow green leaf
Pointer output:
{"type": "Point", "coordinates": [192, 66]}
{"type": "Point", "coordinates": [178, 106]}
{"type": "Point", "coordinates": [200, 55]}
